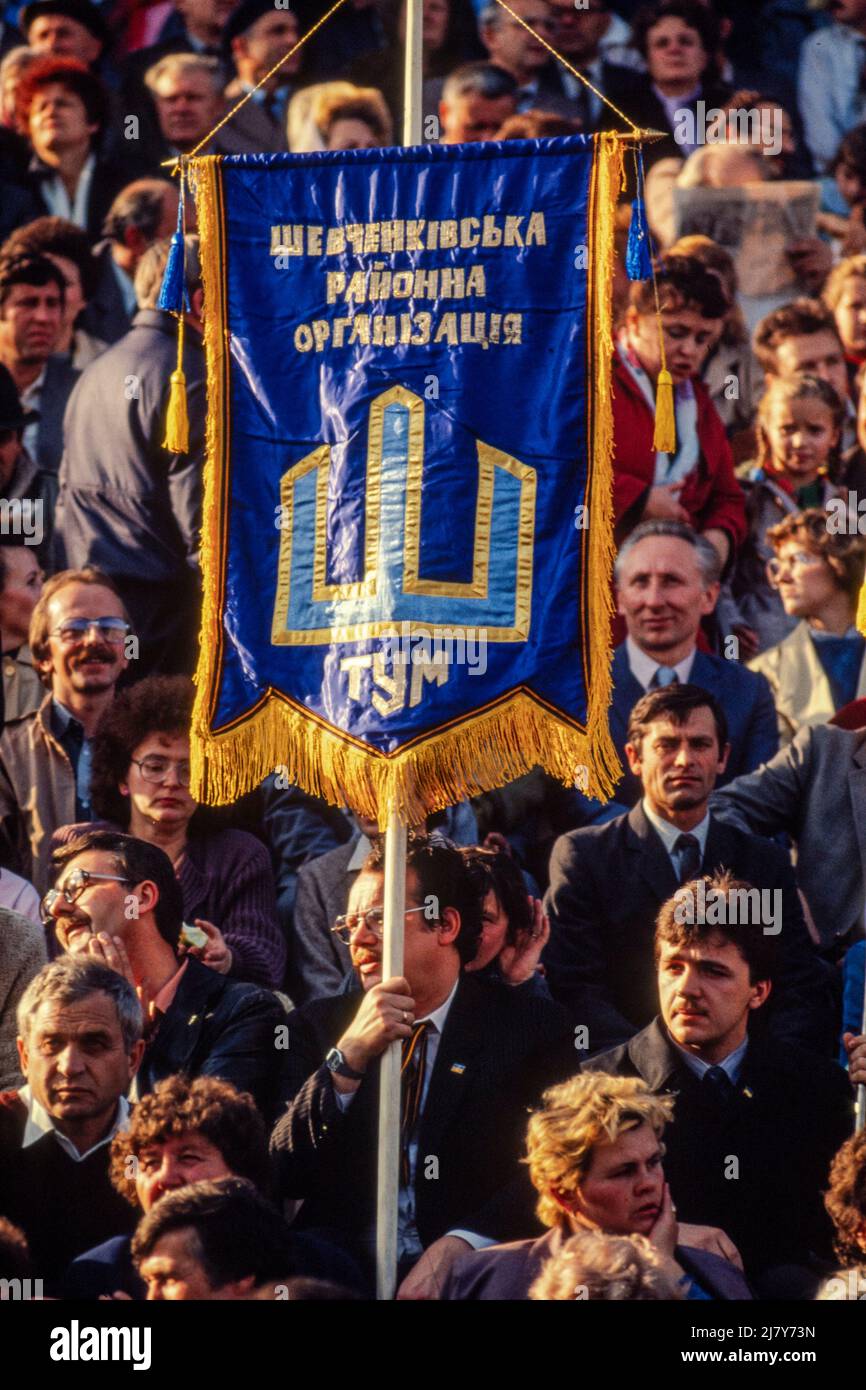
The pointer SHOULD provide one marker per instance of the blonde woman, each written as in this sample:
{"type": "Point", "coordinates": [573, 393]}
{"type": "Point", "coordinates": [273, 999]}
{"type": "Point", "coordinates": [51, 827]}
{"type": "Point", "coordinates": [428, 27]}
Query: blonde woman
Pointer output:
{"type": "Point", "coordinates": [595, 1158]}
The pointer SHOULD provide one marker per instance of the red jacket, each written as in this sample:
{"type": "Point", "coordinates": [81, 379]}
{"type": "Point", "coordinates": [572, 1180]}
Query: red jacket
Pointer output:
{"type": "Point", "coordinates": [711, 494]}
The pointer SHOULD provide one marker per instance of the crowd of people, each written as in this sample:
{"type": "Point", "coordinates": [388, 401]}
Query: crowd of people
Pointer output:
{"type": "Point", "coordinates": [632, 1030]}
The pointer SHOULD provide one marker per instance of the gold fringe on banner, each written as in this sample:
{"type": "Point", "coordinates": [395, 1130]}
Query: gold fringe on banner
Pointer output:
{"type": "Point", "coordinates": [481, 752]}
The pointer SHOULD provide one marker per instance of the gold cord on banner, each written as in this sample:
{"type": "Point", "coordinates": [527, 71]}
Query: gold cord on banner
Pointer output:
{"type": "Point", "coordinates": [635, 130]}
{"type": "Point", "coordinates": [505, 738]}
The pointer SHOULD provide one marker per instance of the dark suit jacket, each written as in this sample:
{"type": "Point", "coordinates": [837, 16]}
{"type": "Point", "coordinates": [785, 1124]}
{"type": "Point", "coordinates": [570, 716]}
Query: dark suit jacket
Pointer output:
{"type": "Point", "coordinates": [500, 1047]}
{"type": "Point", "coordinates": [787, 1117]}
{"type": "Point", "coordinates": [219, 1027]}
{"type": "Point", "coordinates": [62, 1205]}
{"type": "Point", "coordinates": [745, 696]}
{"type": "Point", "coordinates": [507, 1272]}
{"type": "Point", "coordinates": [60, 378]}
{"type": "Point", "coordinates": [607, 884]}
{"type": "Point", "coordinates": [109, 177]}
{"type": "Point", "coordinates": [632, 92]}
{"type": "Point", "coordinates": [106, 316]}
{"type": "Point", "coordinates": [319, 961]}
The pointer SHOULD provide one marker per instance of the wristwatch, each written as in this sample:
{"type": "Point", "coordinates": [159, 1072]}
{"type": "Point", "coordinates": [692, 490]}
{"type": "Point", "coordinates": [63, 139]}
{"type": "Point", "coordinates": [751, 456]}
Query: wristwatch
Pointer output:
{"type": "Point", "coordinates": [336, 1063]}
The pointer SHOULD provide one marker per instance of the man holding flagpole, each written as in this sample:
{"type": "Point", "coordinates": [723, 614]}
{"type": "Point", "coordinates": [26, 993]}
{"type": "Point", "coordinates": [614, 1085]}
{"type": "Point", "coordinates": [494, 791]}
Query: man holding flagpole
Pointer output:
{"type": "Point", "coordinates": [474, 1056]}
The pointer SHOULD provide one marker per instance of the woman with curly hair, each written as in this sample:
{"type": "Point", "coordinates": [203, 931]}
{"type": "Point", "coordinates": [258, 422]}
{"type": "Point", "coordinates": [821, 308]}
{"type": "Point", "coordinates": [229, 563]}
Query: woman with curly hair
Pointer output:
{"type": "Point", "coordinates": [181, 1132]}
{"type": "Point", "coordinates": [846, 1205]}
{"type": "Point", "coordinates": [140, 784]}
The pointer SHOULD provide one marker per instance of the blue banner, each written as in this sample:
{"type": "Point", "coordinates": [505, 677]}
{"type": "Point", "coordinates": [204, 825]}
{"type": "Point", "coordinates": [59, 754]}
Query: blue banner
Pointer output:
{"type": "Point", "coordinates": [407, 534]}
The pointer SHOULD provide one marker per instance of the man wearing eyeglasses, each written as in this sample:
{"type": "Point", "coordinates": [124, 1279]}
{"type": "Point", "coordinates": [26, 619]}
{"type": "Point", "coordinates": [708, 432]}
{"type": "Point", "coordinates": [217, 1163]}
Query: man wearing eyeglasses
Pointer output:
{"type": "Point", "coordinates": [117, 901]}
{"type": "Point", "coordinates": [511, 46]}
{"type": "Point", "coordinates": [475, 1055]}
{"type": "Point", "coordinates": [78, 642]}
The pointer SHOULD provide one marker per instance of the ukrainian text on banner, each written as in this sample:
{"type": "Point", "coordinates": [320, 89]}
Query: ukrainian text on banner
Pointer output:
{"type": "Point", "coordinates": [407, 535]}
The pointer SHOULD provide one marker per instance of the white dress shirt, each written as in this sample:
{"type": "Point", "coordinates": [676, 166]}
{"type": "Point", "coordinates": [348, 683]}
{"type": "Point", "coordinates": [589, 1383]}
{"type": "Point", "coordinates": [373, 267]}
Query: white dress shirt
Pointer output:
{"type": "Point", "coordinates": [31, 397]}
{"type": "Point", "coordinates": [669, 834]}
{"type": "Point", "coordinates": [56, 195]}
{"type": "Point", "coordinates": [39, 1123]}
{"type": "Point", "coordinates": [644, 667]}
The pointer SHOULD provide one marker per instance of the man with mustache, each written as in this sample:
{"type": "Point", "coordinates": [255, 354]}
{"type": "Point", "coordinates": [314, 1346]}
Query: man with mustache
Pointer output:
{"type": "Point", "coordinates": [475, 1055]}
{"type": "Point", "coordinates": [608, 882]}
{"type": "Point", "coordinates": [32, 294]}
{"type": "Point", "coordinates": [79, 643]}
{"type": "Point", "coordinates": [756, 1123]}
{"type": "Point", "coordinates": [117, 901]}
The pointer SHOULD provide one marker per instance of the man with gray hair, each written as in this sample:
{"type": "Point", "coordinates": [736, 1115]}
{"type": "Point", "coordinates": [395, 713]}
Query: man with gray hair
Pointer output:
{"type": "Point", "coordinates": [80, 1044]}
{"type": "Point", "coordinates": [667, 579]}
{"type": "Point", "coordinates": [187, 93]}
{"type": "Point", "coordinates": [147, 537]}
{"type": "Point", "coordinates": [511, 46]}
{"type": "Point", "coordinates": [476, 98]}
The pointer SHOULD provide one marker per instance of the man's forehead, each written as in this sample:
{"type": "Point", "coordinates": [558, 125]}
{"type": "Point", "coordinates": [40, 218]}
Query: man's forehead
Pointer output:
{"type": "Point", "coordinates": [77, 1016]}
{"type": "Point", "coordinates": [367, 888]}
{"type": "Point", "coordinates": [715, 947]}
{"type": "Point", "coordinates": [697, 722]}
{"type": "Point", "coordinates": [661, 554]}
{"type": "Point", "coordinates": [821, 344]}
{"type": "Point", "coordinates": [25, 291]}
{"type": "Point", "coordinates": [96, 860]}
{"type": "Point", "coordinates": [85, 601]}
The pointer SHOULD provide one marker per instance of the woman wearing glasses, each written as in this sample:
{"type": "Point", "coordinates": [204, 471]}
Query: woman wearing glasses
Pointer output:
{"type": "Point", "coordinates": [820, 666]}
{"type": "Point", "coordinates": [140, 784]}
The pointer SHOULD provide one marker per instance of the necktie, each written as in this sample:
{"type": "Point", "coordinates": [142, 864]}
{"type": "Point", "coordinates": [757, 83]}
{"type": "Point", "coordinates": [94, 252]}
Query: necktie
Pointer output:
{"type": "Point", "coordinates": [689, 851]}
{"type": "Point", "coordinates": [412, 1070]}
{"type": "Point", "coordinates": [717, 1085]}
{"type": "Point", "coordinates": [664, 676]}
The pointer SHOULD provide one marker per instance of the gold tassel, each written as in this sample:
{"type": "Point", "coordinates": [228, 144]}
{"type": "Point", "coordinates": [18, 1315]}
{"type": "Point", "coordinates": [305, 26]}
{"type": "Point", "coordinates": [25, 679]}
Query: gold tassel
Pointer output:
{"type": "Point", "coordinates": [177, 420]}
{"type": "Point", "coordinates": [665, 435]}
{"type": "Point", "coordinates": [861, 611]}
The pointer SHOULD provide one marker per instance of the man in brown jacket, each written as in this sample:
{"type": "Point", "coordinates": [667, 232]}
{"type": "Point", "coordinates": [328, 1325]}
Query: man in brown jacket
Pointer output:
{"type": "Point", "coordinates": [80, 642]}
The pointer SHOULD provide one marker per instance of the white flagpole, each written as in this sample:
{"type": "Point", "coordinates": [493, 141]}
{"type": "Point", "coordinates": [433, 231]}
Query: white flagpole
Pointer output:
{"type": "Point", "coordinates": [413, 75]}
{"type": "Point", "coordinates": [388, 1183]}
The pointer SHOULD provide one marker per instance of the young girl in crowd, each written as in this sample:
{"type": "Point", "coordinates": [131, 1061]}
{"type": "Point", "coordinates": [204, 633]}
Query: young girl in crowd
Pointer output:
{"type": "Point", "coordinates": [799, 428]}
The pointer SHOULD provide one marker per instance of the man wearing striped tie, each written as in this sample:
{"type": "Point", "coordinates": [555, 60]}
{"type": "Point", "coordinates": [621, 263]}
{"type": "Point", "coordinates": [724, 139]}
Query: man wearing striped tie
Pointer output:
{"type": "Point", "coordinates": [475, 1055]}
